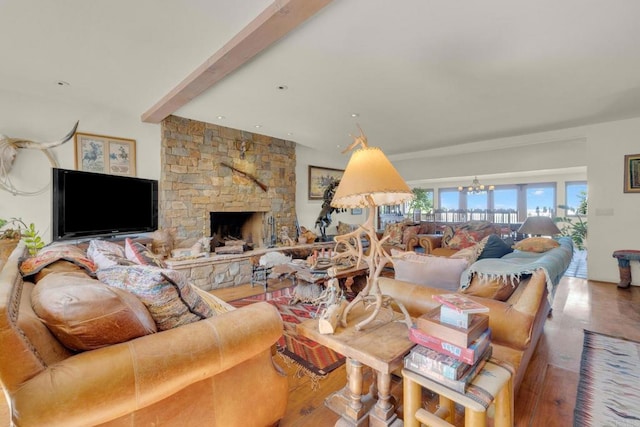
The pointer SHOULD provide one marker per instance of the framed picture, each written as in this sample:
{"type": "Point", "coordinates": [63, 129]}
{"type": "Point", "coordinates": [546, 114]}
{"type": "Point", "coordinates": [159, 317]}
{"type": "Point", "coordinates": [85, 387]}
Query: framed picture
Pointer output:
{"type": "Point", "coordinates": [320, 178]}
{"type": "Point", "coordinates": [632, 173]}
{"type": "Point", "coordinates": [105, 154]}
{"type": "Point", "coordinates": [356, 211]}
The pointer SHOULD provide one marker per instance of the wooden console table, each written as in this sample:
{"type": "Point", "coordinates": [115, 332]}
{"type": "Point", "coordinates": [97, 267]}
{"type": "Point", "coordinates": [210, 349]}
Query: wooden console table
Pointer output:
{"type": "Point", "coordinates": [381, 345]}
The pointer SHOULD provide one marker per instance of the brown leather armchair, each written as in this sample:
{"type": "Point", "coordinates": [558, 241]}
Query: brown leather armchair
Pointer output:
{"type": "Point", "coordinates": [217, 371]}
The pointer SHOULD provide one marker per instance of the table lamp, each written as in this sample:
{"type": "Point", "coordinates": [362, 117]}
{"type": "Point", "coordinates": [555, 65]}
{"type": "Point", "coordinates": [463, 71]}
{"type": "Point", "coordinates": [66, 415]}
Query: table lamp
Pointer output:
{"type": "Point", "coordinates": [369, 180]}
{"type": "Point", "coordinates": [539, 226]}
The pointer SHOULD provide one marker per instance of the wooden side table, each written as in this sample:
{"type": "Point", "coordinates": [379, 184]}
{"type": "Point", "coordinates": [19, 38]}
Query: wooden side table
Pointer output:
{"type": "Point", "coordinates": [381, 345]}
{"type": "Point", "coordinates": [493, 384]}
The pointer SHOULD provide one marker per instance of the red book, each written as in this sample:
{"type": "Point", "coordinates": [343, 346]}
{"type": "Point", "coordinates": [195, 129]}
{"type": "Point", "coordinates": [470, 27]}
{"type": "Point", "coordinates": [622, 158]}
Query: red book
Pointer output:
{"type": "Point", "coordinates": [468, 355]}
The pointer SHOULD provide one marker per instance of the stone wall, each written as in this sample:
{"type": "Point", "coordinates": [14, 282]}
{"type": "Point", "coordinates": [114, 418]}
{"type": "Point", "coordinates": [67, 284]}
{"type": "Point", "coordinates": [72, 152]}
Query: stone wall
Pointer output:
{"type": "Point", "coordinates": [194, 182]}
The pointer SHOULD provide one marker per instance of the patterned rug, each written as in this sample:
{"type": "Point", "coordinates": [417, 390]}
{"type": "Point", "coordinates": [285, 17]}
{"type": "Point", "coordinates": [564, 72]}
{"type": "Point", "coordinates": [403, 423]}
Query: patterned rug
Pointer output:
{"type": "Point", "coordinates": [609, 386]}
{"type": "Point", "coordinates": [314, 359]}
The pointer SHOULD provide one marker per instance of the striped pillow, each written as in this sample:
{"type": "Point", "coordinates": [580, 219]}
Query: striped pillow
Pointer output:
{"type": "Point", "coordinates": [169, 297]}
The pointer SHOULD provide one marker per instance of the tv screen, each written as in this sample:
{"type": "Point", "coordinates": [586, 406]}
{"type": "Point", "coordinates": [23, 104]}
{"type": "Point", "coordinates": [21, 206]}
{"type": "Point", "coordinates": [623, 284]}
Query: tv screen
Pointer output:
{"type": "Point", "coordinates": [87, 204]}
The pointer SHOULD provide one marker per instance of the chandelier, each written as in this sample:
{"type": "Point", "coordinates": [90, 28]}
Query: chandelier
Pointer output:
{"type": "Point", "coordinates": [476, 187]}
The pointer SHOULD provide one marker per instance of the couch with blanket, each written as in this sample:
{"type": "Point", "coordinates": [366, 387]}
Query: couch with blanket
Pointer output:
{"type": "Point", "coordinates": [518, 288]}
{"type": "Point", "coordinates": [454, 238]}
{"type": "Point", "coordinates": [137, 347]}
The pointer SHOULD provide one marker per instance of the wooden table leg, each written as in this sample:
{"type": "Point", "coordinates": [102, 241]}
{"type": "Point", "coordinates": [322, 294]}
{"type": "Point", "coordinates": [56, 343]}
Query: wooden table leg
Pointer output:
{"type": "Point", "coordinates": [383, 413]}
{"type": "Point", "coordinates": [504, 406]}
{"type": "Point", "coordinates": [450, 406]}
{"type": "Point", "coordinates": [412, 401]}
{"type": "Point", "coordinates": [342, 401]}
{"type": "Point", "coordinates": [474, 418]}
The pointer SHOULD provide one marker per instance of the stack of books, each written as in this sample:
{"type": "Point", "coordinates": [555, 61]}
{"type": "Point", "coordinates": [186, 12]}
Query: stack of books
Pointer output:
{"type": "Point", "coordinates": [454, 342]}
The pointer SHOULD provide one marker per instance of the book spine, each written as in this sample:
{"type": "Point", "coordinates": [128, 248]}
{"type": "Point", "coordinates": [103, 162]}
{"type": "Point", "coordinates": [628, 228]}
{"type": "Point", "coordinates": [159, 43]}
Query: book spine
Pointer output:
{"type": "Point", "coordinates": [438, 362]}
{"type": "Point", "coordinates": [457, 385]}
{"type": "Point", "coordinates": [469, 355]}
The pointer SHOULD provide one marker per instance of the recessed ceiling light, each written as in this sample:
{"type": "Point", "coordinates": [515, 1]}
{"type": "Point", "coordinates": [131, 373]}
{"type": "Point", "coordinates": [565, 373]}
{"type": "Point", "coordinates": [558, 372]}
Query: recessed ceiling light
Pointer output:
{"type": "Point", "coordinates": [221, 117]}
{"type": "Point", "coordinates": [62, 83]}
{"type": "Point", "coordinates": [258, 126]}
{"type": "Point", "coordinates": [289, 133]}
{"type": "Point", "coordinates": [282, 87]}
{"type": "Point", "coordinates": [355, 115]}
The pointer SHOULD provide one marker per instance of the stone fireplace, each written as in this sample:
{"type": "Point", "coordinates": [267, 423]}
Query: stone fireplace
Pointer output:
{"type": "Point", "coordinates": [196, 180]}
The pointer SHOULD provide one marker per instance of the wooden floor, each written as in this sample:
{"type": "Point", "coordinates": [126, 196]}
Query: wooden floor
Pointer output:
{"type": "Point", "coordinates": [548, 392]}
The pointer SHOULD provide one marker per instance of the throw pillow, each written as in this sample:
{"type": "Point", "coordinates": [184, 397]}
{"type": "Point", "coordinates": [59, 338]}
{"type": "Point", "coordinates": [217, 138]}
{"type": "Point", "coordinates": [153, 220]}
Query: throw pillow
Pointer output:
{"type": "Point", "coordinates": [394, 231]}
{"type": "Point", "coordinates": [85, 314]}
{"type": "Point", "coordinates": [536, 244]}
{"type": "Point", "coordinates": [167, 294]}
{"type": "Point", "coordinates": [470, 253]}
{"type": "Point", "coordinates": [438, 272]}
{"type": "Point", "coordinates": [138, 253]}
{"type": "Point", "coordinates": [409, 231]}
{"type": "Point", "coordinates": [493, 288]}
{"type": "Point", "coordinates": [463, 238]}
{"type": "Point", "coordinates": [56, 252]}
{"type": "Point", "coordinates": [106, 254]}
{"type": "Point", "coordinates": [494, 247]}
{"type": "Point", "coordinates": [447, 234]}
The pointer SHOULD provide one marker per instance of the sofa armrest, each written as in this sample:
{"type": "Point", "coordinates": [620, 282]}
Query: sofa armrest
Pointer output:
{"type": "Point", "coordinates": [116, 380]}
{"type": "Point", "coordinates": [429, 242]}
{"type": "Point", "coordinates": [412, 242]}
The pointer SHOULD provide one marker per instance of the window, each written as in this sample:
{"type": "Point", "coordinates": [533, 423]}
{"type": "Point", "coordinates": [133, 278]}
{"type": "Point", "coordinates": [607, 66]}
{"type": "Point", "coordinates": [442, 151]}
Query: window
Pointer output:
{"type": "Point", "coordinates": [505, 198]}
{"type": "Point", "coordinates": [540, 199]}
{"type": "Point", "coordinates": [575, 194]}
{"type": "Point", "coordinates": [449, 199]}
{"type": "Point", "coordinates": [477, 200]}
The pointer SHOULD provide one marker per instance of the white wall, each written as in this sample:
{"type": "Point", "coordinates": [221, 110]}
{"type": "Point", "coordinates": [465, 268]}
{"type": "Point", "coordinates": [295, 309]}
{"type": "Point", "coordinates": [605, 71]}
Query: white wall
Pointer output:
{"type": "Point", "coordinates": [41, 119]}
{"type": "Point", "coordinates": [613, 215]}
{"type": "Point", "coordinates": [308, 210]}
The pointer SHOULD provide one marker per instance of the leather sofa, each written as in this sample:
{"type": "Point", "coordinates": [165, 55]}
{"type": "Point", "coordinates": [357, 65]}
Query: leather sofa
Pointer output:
{"type": "Point", "coordinates": [516, 323]}
{"type": "Point", "coordinates": [216, 372]}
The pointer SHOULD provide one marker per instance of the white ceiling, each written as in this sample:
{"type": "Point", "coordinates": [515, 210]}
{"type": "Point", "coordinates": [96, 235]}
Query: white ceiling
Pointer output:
{"type": "Point", "coordinates": [420, 73]}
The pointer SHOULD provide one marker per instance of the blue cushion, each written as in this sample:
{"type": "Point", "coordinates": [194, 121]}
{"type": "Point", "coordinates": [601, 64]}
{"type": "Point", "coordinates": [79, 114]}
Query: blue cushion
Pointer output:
{"type": "Point", "coordinates": [495, 248]}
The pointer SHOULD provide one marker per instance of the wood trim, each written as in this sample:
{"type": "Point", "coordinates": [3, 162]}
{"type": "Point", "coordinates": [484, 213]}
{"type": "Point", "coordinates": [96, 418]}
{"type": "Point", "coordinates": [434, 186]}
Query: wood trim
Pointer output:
{"type": "Point", "coordinates": [277, 20]}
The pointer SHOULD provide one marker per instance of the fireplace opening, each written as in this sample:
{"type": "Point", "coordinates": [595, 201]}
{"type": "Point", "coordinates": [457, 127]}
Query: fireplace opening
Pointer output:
{"type": "Point", "coordinates": [244, 226]}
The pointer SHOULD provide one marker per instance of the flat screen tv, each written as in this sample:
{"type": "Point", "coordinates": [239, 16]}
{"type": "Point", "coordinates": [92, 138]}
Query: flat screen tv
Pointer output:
{"type": "Point", "coordinates": [87, 204]}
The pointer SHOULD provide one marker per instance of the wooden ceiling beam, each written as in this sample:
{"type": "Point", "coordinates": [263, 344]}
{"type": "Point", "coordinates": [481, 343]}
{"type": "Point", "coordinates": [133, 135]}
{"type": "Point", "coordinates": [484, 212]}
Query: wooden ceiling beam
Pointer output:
{"type": "Point", "coordinates": [277, 20]}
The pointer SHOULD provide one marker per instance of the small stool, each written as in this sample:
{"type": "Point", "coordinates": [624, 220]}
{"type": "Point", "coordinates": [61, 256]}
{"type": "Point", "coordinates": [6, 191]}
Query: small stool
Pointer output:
{"type": "Point", "coordinates": [492, 384]}
{"type": "Point", "coordinates": [624, 256]}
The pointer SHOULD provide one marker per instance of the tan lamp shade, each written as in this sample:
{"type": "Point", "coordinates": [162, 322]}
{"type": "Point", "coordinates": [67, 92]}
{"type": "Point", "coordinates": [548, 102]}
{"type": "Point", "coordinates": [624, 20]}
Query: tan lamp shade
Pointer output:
{"type": "Point", "coordinates": [370, 173]}
{"type": "Point", "coordinates": [539, 226]}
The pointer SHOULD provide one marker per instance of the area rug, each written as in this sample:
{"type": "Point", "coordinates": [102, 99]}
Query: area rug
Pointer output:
{"type": "Point", "coordinates": [609, 385]}
{"type": "Point", "coordinates": [312, 358]}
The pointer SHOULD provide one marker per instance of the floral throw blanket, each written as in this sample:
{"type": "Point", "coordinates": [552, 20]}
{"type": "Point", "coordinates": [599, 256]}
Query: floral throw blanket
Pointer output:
{"type": "Point", "coordinates": [512, 266]}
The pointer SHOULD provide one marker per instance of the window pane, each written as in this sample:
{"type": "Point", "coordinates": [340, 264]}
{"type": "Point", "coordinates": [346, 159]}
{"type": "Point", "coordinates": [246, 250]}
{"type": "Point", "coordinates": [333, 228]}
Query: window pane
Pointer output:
{"type": "Point", "coordinates": [449, 199]}
{"type": "Point", "coordinates": [477, 201]}
{"type": "Point", "coordinates": [540, 197]}
{"type": "Point", "coordinates": [505, 198]}
{"type": "Point", "coordinates": [575, 193]}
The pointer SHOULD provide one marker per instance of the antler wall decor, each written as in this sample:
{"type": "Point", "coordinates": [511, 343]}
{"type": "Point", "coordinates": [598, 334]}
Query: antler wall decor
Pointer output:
{"type": "Point", "coordinates": [9, 151]}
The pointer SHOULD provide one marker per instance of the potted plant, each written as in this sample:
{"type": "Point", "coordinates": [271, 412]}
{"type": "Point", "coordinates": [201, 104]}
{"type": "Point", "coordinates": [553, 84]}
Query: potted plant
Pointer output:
{"type": "Point", "coordinates": [14, 229]}
{"type": "Point", "coordinates": [575, 226]}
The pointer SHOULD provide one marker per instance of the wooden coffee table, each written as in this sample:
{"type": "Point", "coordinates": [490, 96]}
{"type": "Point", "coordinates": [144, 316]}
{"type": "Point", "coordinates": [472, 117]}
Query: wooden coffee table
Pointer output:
{"type": "Point", "coordinates": [381, 345]}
